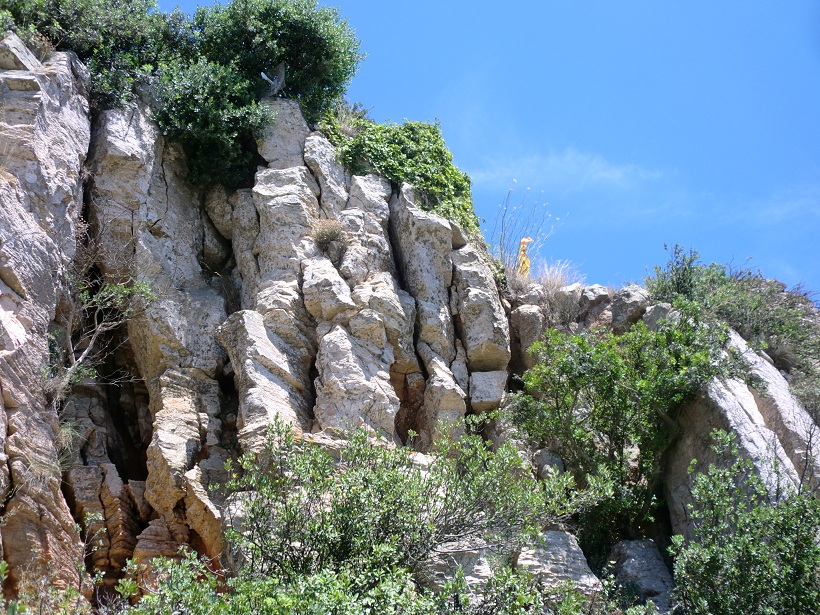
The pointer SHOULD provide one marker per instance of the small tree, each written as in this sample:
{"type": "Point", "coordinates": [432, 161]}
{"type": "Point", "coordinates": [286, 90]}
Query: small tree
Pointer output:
{"type": "Point", "coordinates": [91, 310]}
{"type": "Point", "coordinates": [608, 403]}
{"type": "Point", "coordinates": [319, 49]}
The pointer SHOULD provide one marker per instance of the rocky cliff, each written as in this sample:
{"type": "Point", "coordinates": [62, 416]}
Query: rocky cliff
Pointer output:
{"type": "Point", "coordinates": [326, 300]}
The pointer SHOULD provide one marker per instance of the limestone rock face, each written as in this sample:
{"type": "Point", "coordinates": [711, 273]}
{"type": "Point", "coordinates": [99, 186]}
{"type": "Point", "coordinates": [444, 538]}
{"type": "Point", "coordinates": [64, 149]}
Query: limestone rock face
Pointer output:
{"type": "Point", "coordinates": [153, 229]}
{"type": "Point", "coordinates": [628, 306]}
{"type": "Point", "coordinates": [527, 323]}
{"type": "Point", "coordinates": [326, 293]}
{"type": "Point", "coordinates": [478, 306]}
{"type": "Point", "coordinates": [320, 157]}
{"type": "Point", "coordinates": [353, 388]}
{"type": "Point", "coordinates": [271, 380]}
{"type": "Point", "coordinates": [772, 431]}
{"type": "Point", "coordinates": [423, 242]}
{"type": "Point", "coordinates": [282, 143]}
{"type": "Point", "coordinates": [44, 131]}
{"type": "Point", "coordinates": [554, 557]}
{"type": "Point", "coordinates": [639, 566]}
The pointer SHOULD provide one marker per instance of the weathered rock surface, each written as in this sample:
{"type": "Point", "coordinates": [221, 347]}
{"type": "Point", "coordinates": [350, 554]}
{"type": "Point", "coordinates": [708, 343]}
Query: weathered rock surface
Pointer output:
{"type": "Point", "coordinates": [556, 558]}
{"type": "Point", "coordinates": [527, 323]}
{"type": "Point", "coordinates": [153, 228]}
{"type": "Point", "coordinates": [334, 180]}
{"type": "Point", "coordinates": [44, 131]}
{"type": "Point", "coordinates": [639, 568]}
{"type": "Point", "coordinates": [271, 381]}
{"type": "Point", "coordinates": [628, 305]}
{"type": "Point", "coordinates": [485, 330]}
{"type": "Point", "coordinates": [422, 243]}
{"type": "Point", "coordinates": [353, 388]}
{"type": "Point", "coordinates": [282, 143]}
{"type": "Point", "coordinates": [772, 431]}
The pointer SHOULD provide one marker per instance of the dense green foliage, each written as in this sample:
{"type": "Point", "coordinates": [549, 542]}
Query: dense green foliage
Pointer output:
{"type": "Point", "coordinates": [412, 152]}
{"type": "Point", "coordinates": [753, 552]}
{"type": "Point", "coordinates": [188, 587]}
{"type": "Point", "coordinates": [375, 507]}
{"type": "Point", "coordinates": [607, 404]}
{"type": "Point", "coordinates": [121, 42]}
{"type": "Point", "coordinates": [319, 49]}
{"type": "Point", "coordinates": [217, 139]}
{"type": "Point", "coordinates": [205, 70]}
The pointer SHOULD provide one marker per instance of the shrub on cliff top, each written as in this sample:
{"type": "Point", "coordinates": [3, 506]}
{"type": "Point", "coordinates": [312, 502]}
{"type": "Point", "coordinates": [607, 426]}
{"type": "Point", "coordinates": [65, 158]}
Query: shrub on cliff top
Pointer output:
{"type": "Point", "coordinates": [783, 323]}
{"type": "Point", "coordinates": [318, 47]}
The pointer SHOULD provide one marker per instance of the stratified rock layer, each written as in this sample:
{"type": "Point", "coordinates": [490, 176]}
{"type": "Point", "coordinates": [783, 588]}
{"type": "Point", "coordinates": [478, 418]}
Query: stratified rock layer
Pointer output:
{"type": "Point", "coordinates": [44, 132]}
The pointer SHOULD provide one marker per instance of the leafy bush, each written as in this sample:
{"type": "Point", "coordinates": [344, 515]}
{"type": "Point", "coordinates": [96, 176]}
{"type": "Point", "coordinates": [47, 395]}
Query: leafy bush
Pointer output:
{"type": "Point", "coordinates": [413, 152]}
{"type": "Point", "coordinates": [318, 47]}
{"type": "Point", "coordinates": [188, 587]}
{"type": "Point", "coordinates": [212, 112]}
{"type": "Point", "coordinates": [607, 404]}
{"type": "Point", "coordinates": [207, 70]}
{"type": "Point", "coordinates": [752, 553]}
{"type": "Point", "coordinates": [121, 42]}
{"type": "Point", "coordinates": [376, 508]}
{"type": "Point", "coordinates": [350, 535]}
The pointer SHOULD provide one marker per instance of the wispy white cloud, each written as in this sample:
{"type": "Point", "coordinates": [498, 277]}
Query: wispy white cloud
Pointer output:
{"type": "Point", "coordinates": [568, 171]}
{"type": "Point", "coordinates": [791, 204]}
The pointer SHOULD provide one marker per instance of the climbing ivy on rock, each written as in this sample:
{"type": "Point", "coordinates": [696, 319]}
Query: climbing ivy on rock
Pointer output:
{"type": "Point", "coordinates": [412, 152]}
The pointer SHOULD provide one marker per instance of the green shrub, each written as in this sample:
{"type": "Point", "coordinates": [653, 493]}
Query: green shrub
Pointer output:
{"type": "Point", "coordinates": [121, 42]}
{"type": "Point", "coordinates": [318, 47]}
{"type": "Point", "coordinates": [607, 405]}
{"type": "Point", "coordinates": [350, 535]}
{"type": "Point", "coordinates": [752, 553]}
{"type": "Point", "coordinates": [413, 152]}
{"type": "Point", "coordinates": [375, 508]}
{"type": "Point", "coordinates": [212, 112]}
{"type": "Point", "coordinates": [207, 71]}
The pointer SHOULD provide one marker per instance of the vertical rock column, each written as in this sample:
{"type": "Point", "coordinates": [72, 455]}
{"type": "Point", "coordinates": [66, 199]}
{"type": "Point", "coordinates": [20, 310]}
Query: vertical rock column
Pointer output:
{"type": "Point", "coordinates": [44, 135]}
{"type": "Point", "coordinates": [271, 341]}
{"type": "Point", "coordinates": [423, 243]}
{"type": "Point", "coordinates": [151, 226]}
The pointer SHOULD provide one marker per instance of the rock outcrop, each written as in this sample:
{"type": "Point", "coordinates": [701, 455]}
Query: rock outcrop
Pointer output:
{"type": "Point", "coordinates": [391, 322]}
{"type": "Point", "coordinates": [316, 298]}
{"type": "Point", "coordinates": [44, 136]}
{"type": "Point", "coordinates": [772, 431]}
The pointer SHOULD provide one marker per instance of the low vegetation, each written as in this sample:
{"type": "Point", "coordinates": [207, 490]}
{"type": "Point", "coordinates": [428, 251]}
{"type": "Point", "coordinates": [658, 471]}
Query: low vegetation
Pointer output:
{"type": "Point", "coordinates": [361, 533]}
{"type": "Point", "coordinates": [783, 323]}
{"type": "Point", "coordinates": [753, 552]}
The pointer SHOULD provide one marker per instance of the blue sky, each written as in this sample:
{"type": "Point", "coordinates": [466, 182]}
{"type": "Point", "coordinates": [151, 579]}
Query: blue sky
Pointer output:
{"type": "Point", "coordinates": [638, 124]}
